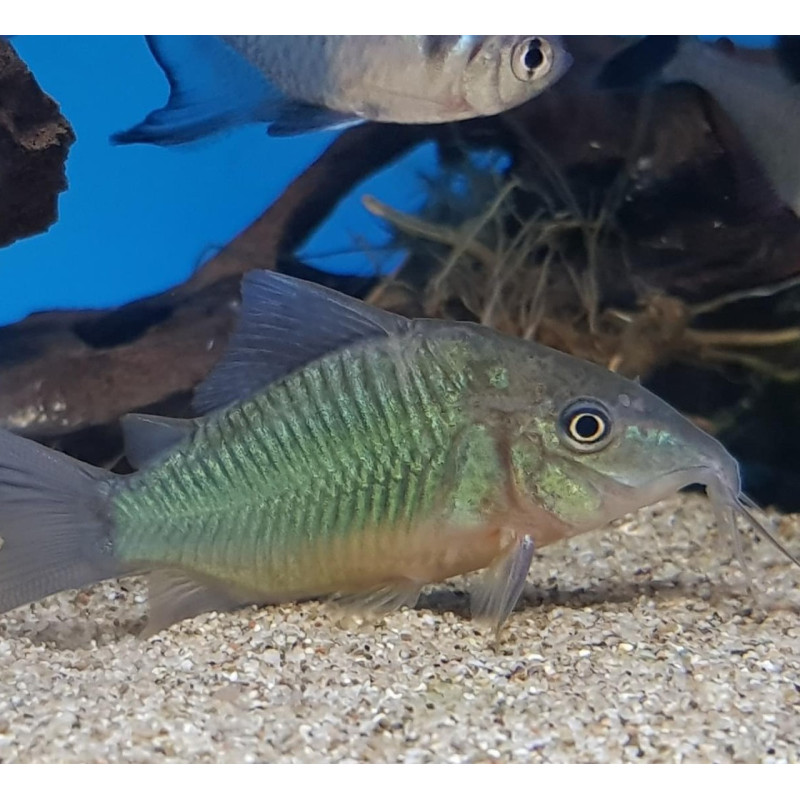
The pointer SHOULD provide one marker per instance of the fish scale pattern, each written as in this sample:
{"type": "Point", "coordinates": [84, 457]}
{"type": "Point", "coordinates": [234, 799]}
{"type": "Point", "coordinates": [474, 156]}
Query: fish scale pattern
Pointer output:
{"type": "Point", "coordinates": [321, 475]}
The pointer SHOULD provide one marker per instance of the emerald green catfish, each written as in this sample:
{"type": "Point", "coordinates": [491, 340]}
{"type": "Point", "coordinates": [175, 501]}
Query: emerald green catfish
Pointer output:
{"type": "Point", "coordinates": [348, 451]}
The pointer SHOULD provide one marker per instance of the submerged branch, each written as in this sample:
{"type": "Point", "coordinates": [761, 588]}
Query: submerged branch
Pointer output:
{"type": "Point", "coordinates": [743, 338]}
{"type": "Point", "coordinates": [432, 231]}
{"type": "Point", "coordinates": [65, 372]}
{"type": "Point", "coordinates": [308, 200]}
{"type": "Point", "coordinates": [34, 141]}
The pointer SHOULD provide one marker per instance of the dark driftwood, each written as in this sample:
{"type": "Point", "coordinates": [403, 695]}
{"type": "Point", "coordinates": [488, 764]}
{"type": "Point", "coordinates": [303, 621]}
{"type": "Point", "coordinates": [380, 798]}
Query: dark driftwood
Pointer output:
{"type": "Point", "coordinates": [34, 140]}
{"type": "Point", "coordinates": [62, 372]}
{"type": "Point", "coordinates": [698, 222]}
{"type": "Point", "coordinates": [308, 200]}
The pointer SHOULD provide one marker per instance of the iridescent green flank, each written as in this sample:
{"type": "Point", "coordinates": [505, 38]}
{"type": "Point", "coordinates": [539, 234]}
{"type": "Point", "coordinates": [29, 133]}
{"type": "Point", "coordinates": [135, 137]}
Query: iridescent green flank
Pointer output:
{"type": "Point", "coordinates": [316, 476]}
{"type": "Point", "coordinates": [346, 450]}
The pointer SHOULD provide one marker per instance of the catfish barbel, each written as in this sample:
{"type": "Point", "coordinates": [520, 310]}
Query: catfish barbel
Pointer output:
{"type": "Point", "coordinates": [348, 451]}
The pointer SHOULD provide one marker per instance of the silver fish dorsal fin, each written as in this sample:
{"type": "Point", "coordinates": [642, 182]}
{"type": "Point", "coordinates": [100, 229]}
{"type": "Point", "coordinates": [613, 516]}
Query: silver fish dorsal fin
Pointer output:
{"type": "Point", "coordinates": [148, 437]}
{"type": "Point", "coordinates": [284, 324]}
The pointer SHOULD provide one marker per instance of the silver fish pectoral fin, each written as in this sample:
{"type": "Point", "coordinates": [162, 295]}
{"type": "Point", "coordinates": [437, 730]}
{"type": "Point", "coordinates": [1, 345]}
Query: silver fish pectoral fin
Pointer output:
{"type": "Point", "coordinates": [175, 595]}
{"type": "Point", "coordinates": [501, 585]}
{"type": "Point", "coordinates": [293, 117]}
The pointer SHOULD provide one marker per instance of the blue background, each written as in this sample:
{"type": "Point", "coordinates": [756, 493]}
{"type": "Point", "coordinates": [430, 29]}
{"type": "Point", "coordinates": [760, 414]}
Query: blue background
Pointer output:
{"type": "Point", "coordinates": [138, 219]}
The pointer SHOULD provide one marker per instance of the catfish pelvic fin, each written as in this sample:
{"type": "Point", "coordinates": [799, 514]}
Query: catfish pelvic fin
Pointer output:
{"type": "Point", "coordinates": [175, 595]}
{"type": "Point", "coordinates": [381, 600]}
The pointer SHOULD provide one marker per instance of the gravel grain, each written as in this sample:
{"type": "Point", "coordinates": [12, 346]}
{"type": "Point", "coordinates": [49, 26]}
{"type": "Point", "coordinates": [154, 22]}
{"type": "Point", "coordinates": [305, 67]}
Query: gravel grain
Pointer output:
{"type": "Point", "coordinates": [640, 643]}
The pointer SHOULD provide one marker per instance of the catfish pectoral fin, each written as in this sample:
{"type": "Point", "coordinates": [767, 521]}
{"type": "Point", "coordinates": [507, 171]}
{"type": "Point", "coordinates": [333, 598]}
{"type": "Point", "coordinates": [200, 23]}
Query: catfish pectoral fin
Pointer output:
{"type": "Point", "coordinates": [502, 583]}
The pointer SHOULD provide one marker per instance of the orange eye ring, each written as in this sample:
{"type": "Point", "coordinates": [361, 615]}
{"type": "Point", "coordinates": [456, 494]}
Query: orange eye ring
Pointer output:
{"type": "Point", "coordinates": [586, 425]}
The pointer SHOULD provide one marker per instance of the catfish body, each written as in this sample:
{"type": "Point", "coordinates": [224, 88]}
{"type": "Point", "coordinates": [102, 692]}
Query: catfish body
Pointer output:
{"type": "Point", "coordinates": [349, 451]}
{"type": "Point", "coordinates": [305, 83]}
{"type": "Point", "coordinates": [364, 469]}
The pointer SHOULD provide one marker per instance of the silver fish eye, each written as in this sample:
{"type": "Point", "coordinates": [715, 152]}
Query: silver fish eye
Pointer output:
{"type": "Point", "coordinates": [585, 425]}
{"type": "Point", "coordinates": [531, 58]}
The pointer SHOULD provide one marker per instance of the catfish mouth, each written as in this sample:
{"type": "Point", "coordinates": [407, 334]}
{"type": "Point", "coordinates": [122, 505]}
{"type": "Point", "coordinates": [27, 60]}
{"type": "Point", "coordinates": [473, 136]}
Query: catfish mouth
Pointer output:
{"type": "Point", "coordinates": [623, 498]}
{"type": "Point", "coordinates": [727, 501]}
{"type": "Point", "coordinates": [678, 479]}
{"type": "Point", "coordinates": [620, 497]}
{"type": "Point", "coordinates": [722, 487]}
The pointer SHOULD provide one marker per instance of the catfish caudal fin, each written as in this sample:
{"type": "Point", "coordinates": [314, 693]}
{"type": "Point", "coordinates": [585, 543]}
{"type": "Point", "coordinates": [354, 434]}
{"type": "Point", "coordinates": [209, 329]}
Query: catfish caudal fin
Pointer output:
{"type": "Point", "coordinates": [640, 63]}
{"type": "Point", "coordinates": [55, 531]}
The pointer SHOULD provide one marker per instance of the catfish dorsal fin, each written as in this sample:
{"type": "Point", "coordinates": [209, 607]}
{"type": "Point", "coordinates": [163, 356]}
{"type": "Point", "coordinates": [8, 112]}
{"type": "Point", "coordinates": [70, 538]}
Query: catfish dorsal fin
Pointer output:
{"type": "Point", "coordinates": [284, 324]}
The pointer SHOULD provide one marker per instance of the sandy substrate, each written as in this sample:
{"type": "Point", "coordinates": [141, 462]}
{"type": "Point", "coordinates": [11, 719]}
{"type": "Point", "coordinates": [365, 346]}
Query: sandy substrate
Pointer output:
{"type": "Point", "coordinates": [639, 643]}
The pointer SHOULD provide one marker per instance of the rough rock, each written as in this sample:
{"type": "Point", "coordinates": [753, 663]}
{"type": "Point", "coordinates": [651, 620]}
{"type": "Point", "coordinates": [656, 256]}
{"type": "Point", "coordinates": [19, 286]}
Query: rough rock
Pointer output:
{"type": "Point", "coordinates": [34, 141]}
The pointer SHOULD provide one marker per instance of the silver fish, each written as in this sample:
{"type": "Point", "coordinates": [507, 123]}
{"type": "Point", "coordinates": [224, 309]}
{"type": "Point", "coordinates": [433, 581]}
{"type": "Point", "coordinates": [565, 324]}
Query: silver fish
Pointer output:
{"type": "Point", "coordinates": [762, 100]}
{"type": "Point", "coordinates": [306, 83]}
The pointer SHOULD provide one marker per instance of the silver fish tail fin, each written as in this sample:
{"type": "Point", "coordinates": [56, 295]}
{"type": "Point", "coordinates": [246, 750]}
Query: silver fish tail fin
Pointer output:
{"type": "Point", "coordinates": [210, 88]}
{"type": "Point", "coordinates": [55, 530]}
{"type": "Point", "coordinates": [213, 88]}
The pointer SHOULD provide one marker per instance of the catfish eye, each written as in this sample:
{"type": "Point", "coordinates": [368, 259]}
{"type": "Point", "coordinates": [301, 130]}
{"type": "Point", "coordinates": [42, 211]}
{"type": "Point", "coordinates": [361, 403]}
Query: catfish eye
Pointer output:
{"type": "Point", "coordinates": [531, 58]}
{"type": "Point", "coordinates": [586, 425]}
